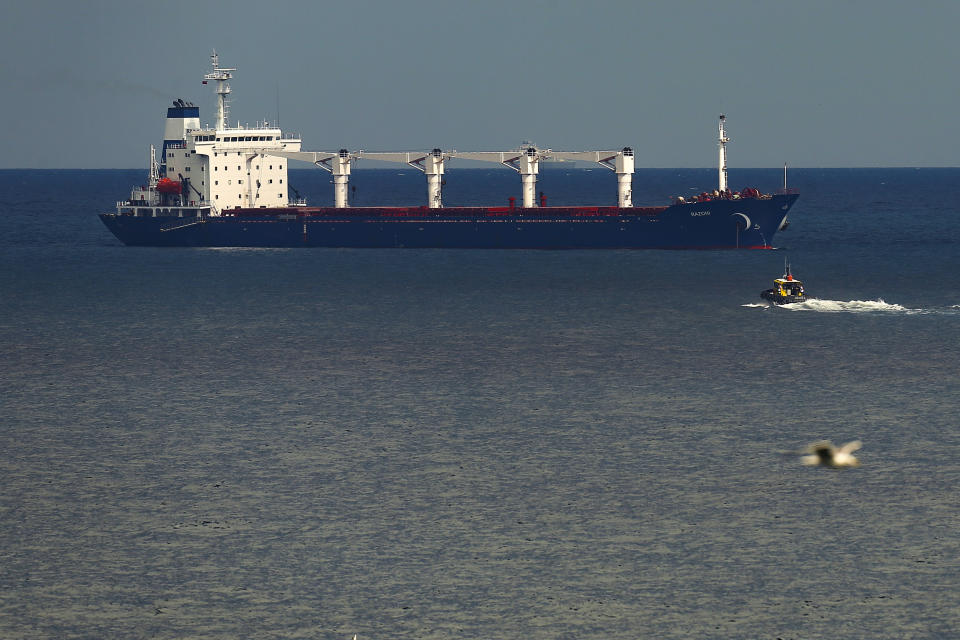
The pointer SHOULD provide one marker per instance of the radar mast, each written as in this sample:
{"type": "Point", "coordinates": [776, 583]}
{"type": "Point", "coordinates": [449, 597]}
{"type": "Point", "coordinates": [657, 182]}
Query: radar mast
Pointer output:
{"type": "Point", "coordinates": [221, 75]}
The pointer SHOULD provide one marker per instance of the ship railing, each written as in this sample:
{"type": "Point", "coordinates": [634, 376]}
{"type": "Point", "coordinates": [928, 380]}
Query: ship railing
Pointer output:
{"type": "Point", "coordinates": [145, 209]}
{"type": "Point", "coordinates": [258, 126]}
{"type": "Point", "coordinates": [132, 205]}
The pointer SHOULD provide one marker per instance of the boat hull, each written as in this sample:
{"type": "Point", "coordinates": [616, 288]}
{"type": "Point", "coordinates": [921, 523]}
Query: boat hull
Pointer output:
{"type": "Point", "coordinates": [749, 223]}
{"type": "Point", "coordinates": [770, 295]}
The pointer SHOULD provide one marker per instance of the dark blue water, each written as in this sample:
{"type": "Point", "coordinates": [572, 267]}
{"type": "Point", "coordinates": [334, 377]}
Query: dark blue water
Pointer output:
{"type": "Point", "coordinates": [481, 444]}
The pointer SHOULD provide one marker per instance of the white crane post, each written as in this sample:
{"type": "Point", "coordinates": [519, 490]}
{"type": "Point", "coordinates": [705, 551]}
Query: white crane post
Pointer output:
{"type": "Point", "coordinates": [433, 168]}
{"type": "Point", "coordinates": [338, 164]}
{"type": "Point", "coordinates": [624, 168]}
{"type": "Point", "coordinates": [723, 155]}
{"type": "Point", "coordinates": [529, 165]}
{"type": "Point", "coordinates": [340, 168]}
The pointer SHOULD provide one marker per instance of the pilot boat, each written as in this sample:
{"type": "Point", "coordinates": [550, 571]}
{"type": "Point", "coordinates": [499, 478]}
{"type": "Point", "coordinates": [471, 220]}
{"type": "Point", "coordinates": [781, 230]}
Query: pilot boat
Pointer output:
{"type": "Point", "coordinates": [786, 290]}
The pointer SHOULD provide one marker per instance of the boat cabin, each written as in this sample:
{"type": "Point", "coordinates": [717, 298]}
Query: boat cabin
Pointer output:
{"type": "Point", "coordinates": [788, 286]}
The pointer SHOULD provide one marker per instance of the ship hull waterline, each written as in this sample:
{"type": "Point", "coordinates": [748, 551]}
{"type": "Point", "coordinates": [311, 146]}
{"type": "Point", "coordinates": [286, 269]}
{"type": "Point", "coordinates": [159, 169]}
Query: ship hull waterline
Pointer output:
{"type": "Point", "coordinates": [749, 223]}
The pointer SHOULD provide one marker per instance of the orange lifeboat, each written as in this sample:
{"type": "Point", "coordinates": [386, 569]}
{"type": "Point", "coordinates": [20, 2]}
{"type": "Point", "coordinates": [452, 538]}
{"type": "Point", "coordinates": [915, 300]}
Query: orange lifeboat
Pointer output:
{"type": "Point", "coordinates": [166, 185]}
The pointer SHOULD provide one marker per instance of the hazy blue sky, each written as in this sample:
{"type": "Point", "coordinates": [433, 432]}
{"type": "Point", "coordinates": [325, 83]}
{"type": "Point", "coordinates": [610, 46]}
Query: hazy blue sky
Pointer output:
{"type": "Point", "coordinates": [811, 83]}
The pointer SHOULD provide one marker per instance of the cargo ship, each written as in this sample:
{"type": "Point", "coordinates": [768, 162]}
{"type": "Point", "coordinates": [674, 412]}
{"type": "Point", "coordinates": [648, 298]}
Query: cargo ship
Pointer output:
{"type": "Point", "coordinates": [223, 186]}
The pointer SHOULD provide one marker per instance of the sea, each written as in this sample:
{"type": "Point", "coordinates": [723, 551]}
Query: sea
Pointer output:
{"type": "Point", "coordinates": [482, 444]}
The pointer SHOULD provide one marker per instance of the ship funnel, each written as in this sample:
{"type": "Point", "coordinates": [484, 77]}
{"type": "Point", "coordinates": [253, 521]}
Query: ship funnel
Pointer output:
{"type": "Point", "coordinates": [181, 118]}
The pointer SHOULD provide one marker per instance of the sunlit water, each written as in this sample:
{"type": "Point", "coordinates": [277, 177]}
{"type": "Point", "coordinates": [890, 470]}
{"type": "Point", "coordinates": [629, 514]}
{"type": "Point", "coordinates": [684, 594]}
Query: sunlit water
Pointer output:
{"type": "Point", "coordinates": [481, 444]}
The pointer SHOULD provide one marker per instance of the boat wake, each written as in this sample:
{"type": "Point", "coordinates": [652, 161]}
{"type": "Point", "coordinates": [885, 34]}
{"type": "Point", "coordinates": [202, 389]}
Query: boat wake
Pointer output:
{"type": "Point", "coordinates": [850, 306]}
{"type": "Point", "coordinates": [857, 306]}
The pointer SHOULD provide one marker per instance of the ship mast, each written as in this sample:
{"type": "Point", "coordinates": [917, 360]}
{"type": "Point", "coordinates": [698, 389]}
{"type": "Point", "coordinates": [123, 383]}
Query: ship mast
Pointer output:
{"type": "Point", "coordinates": [221, 75]}
{"type": "Point", "coordinates": [723, 155]}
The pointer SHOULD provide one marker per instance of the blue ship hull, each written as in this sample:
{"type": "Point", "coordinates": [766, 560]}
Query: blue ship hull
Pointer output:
{"type": "Point", "coordinates": [747, 223]}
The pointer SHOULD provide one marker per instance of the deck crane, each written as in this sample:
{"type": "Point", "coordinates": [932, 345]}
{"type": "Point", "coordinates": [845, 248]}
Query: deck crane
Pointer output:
{"type": "Point", "coordinates": [525, 161]}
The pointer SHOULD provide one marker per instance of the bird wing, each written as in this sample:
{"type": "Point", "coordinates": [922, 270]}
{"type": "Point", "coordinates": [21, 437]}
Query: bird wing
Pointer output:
{"type": "Point", "coordinates": [850, 447]}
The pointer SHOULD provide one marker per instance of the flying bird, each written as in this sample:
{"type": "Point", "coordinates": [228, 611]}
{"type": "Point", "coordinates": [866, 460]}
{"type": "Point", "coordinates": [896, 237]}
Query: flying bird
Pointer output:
{"type": "Point", "coordinates": [823, 453]}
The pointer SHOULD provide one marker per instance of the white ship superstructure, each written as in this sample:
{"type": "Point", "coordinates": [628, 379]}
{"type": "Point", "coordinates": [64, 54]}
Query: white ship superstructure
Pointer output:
{"type": "Point", "coordinates": [205, 171]}
{"type": "Point", "coordinates": [231, 168]}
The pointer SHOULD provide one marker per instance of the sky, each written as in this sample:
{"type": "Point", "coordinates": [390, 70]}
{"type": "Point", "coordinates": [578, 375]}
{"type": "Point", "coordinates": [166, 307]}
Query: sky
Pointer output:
{"type": "Point", "coordinates": [810, 83]}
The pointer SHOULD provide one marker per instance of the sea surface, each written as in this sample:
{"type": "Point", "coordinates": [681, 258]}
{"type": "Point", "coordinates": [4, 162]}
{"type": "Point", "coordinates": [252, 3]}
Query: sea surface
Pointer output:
{"type": "Point", "coordinates": [478, 444]}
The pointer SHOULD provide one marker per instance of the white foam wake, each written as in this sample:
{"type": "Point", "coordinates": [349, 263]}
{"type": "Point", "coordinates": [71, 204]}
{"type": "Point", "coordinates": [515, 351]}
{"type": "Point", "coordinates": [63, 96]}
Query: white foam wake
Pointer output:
{"type": "Point", "coordinates": [856, 306]}
{"type": "Point", "coordinates": [849, 306]}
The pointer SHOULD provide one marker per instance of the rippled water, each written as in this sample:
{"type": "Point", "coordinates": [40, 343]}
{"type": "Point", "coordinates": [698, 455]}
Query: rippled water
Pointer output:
{"type": "Point", "coordinates": [481, 444]}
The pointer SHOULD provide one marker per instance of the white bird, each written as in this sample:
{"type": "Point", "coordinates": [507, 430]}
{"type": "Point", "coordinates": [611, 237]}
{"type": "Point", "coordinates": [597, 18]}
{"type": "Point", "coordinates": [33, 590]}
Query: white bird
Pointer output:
{"type": "Point", "coordinates": [823, 453]}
